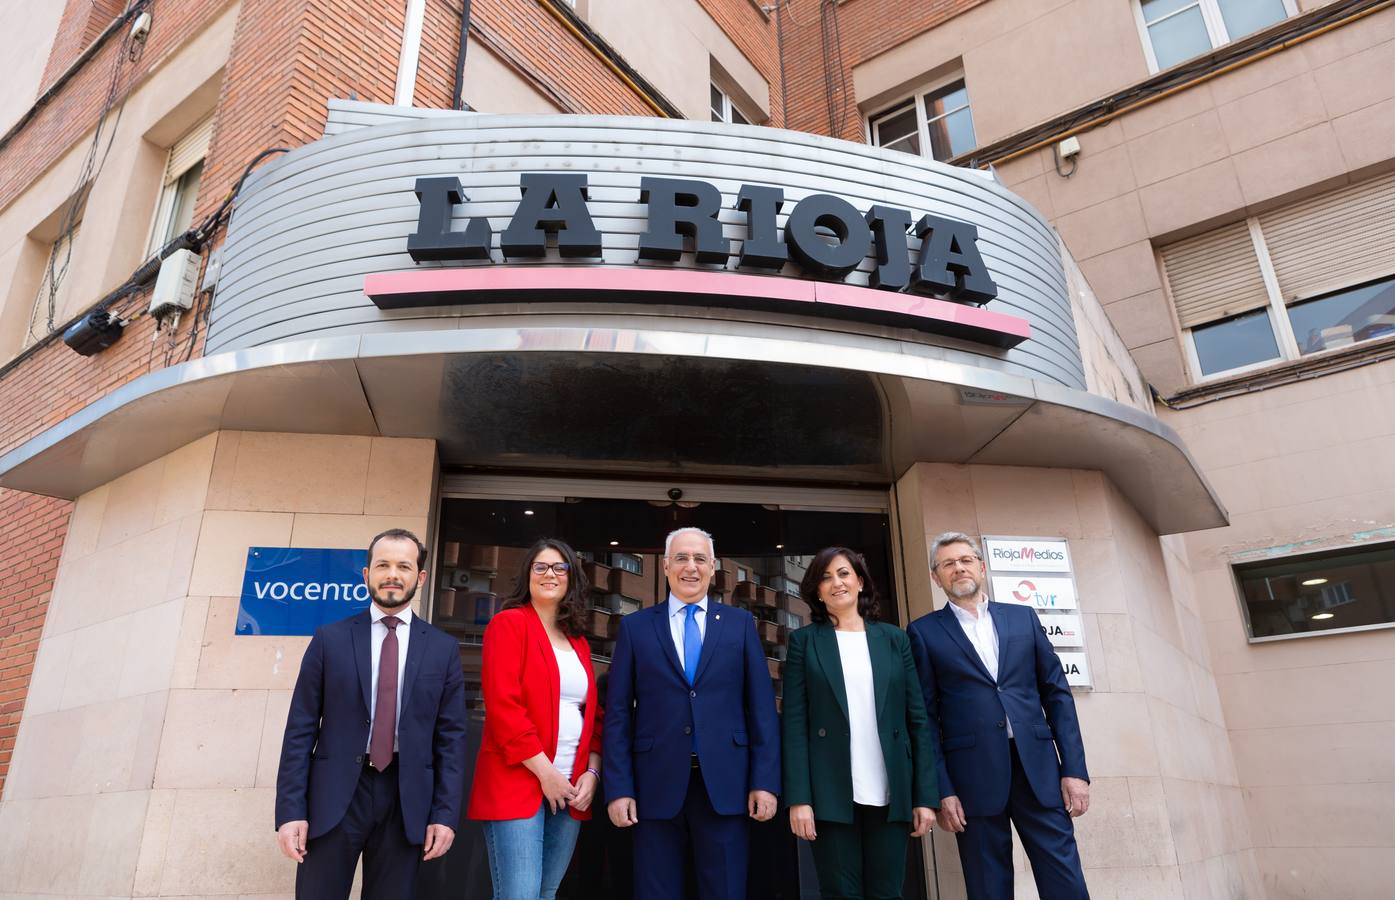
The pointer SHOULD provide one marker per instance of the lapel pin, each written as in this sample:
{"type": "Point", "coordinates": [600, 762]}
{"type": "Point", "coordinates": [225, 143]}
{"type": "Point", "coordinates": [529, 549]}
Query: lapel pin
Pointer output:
{"type": "Point", "coordinates": [718, 617]}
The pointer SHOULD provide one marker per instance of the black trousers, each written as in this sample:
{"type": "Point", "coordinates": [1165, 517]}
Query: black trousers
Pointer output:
{"type": "Point", "coordinates": [372, 827]}
{"type": "Point", "coordinates": [1048, 836]}
{"type": "Point", "coordinates": [718, 843]}
{"type": "Point", "coordinates": [862, 861]}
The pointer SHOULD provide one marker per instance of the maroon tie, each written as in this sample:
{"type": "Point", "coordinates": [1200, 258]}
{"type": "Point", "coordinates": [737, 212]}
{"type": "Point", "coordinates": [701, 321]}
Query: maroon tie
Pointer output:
{"type": "Point", "coordinates": [385, 710]}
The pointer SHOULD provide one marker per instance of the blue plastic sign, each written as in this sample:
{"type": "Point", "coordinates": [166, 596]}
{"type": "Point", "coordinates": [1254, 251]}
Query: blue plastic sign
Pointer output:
{"type": "Point", "coordinates": [294, 590]}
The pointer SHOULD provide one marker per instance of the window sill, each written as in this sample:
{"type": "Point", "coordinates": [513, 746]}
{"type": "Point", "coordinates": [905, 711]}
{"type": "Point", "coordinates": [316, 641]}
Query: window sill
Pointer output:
{"type": "Point", "coordinates": [1330, 632]}
{"type": "Point", "coordinates": [1288, 371]}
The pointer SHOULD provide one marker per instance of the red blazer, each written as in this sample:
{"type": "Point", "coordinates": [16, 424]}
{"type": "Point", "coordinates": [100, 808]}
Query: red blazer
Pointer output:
{"type": "Point", "coordinates": [522, 690]}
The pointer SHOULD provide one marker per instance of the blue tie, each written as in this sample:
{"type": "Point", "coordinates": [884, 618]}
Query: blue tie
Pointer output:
{"type": "Point", "coordinates": [692, 643]}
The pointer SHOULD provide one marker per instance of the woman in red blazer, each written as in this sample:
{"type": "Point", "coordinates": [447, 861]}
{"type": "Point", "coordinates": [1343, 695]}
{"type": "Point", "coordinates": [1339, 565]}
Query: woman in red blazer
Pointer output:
{"type": "Point", "coordinates": [540, 758]}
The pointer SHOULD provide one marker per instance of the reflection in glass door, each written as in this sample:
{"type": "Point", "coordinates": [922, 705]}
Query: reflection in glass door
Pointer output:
{"type": "Point", "coordinates": [763, 551]}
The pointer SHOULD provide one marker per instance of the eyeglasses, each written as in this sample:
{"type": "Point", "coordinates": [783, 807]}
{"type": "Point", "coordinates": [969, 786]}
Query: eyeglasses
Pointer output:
{"type": "Point", "coordinates": [698, 560]}
{"type": "Point", "coordinates": [949, 564]}
{"type": "Point", "coordinates": [542, 568]}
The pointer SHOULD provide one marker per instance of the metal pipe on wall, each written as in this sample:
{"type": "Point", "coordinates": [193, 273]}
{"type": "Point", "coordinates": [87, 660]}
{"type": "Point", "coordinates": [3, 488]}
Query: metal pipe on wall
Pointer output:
{"type": "Point", "coordinates": [457, 97]}
{"type": "Point", "coordinates": [410, 55]}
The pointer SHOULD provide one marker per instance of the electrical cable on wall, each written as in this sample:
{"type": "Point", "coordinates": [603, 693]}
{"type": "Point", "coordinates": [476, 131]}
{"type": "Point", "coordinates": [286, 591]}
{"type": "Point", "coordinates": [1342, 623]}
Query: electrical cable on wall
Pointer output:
{"type": "Point", "coordinates": [132, 46]}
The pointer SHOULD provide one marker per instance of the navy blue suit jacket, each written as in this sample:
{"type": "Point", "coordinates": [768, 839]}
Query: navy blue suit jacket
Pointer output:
{"type": "Point", "coordinates": [324, 748]}
{"type": "Point", "coordinates": [971, 709]}
{"type": "Point", "coordinates": [651, 714]}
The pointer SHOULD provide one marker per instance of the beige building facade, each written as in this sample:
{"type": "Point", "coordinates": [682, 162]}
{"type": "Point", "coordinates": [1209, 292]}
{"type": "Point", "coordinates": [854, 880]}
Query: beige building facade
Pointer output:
{"type": "Point", "coordinates": [1183, 459]}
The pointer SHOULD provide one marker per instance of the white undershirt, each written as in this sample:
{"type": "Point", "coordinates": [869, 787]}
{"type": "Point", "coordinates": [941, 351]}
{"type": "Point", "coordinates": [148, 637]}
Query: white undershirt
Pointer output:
{"type": "Point", "coordinates": [573, 683]}
{"type": "Point", "coordinates": [377, 633]}
{"type": "Point", "coordinates": [868, 765]}
{"type": "Point", "coordinates": [982, 633]}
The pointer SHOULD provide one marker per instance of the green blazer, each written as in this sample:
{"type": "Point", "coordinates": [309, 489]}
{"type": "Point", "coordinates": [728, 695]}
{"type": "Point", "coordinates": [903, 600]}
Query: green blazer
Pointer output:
{"type": "Point", "coordinates": [817, 737]}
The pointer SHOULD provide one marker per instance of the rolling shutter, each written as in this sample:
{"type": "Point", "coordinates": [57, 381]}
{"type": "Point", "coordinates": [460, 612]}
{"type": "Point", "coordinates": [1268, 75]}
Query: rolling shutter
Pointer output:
{"type": "Point", "coordinates": [1333, 240]}
{"type": "Point", "coordinates": [1214, 275]}
{"type": "Point", "coordinates": [188, 150]}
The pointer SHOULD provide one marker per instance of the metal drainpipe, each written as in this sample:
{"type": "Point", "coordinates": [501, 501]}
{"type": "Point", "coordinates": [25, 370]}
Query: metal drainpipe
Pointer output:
{"type": "Point", "coordinates": [457, 97]}
{"type": "Point", "coordinates": [411, 53]}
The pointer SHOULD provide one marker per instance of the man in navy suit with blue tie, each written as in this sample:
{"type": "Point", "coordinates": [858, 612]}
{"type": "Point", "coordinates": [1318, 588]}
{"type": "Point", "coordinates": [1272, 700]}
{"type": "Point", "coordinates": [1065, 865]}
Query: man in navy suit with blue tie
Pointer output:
{"type": "Point", "coordinates": [692, 742]}
{"type": "Point", "coordinates": [1008, 737]}
{"type": "Point", "coordinates": [373, 759]}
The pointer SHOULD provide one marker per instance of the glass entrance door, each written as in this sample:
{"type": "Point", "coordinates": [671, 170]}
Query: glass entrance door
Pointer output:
{"type": "Point", "coordinates": [763, 549]}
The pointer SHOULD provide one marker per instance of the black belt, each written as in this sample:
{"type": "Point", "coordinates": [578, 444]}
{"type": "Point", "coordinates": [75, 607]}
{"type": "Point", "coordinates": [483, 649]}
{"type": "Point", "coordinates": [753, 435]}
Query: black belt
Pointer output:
{"type": "Point", "coordinates": [696, 764]}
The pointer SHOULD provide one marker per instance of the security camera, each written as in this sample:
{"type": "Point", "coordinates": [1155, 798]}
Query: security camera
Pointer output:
{"type": "Point", "coordinates": [140, 28]}
{"type": "Point", "coordinates": [675, 494]}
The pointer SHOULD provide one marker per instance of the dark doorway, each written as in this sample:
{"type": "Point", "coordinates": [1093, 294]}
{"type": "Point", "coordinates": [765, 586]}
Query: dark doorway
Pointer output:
{"type": "Point", "coordinates": [763, 551]}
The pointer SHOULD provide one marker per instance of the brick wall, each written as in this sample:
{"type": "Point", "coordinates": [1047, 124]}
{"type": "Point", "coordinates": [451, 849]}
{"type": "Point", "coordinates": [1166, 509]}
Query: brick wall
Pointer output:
{"type": "Point", "coordinates": [58, 125]}
{"type": "Point", "coordinates": [31, 537]}
{"type": "Point", "coordinates": [79, 26]}
{"type": "Point", "coordinates": [754, 34]}
{"type": "Point", "coordinates": [288, 58]}
{"type": "Point", "coordinates": [864, 28]}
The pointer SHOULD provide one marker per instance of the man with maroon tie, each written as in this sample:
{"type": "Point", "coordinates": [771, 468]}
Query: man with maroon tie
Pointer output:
{"type": "Point", "coordinates": [372, 762]}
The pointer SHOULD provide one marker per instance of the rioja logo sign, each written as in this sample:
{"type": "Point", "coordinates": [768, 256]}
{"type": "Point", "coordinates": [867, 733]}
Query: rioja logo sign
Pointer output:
{"type": "Point", "coordinates": [826, 236]}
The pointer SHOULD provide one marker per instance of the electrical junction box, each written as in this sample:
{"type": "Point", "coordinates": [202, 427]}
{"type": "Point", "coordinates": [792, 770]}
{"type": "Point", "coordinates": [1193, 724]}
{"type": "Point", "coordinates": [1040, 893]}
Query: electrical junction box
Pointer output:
{"type": "Point", "coordinates": [174, 286]}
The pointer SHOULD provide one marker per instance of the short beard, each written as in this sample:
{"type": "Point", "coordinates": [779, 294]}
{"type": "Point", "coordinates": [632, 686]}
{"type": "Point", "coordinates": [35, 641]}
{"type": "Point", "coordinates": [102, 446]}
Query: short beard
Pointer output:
{"type": "Point", "coordinates": [959, 594]}
{"type": "Point", "coordinates": [407, 595]}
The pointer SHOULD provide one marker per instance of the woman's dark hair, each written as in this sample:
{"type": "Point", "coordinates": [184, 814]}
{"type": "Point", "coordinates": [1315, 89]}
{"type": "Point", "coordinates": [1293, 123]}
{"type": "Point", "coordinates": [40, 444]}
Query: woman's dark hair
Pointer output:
{"type": "Point", "coordinates": [867, 605]}
{"type": "Point", "coordinates": [571, 609]}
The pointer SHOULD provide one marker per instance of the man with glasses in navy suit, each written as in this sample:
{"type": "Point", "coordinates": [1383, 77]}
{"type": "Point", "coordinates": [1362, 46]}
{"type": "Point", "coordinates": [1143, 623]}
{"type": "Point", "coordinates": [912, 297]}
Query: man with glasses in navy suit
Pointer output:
{"type": "Point", "coordinates": [691, 737]}
{"type": "Point", "coordinates": [1003, 721]}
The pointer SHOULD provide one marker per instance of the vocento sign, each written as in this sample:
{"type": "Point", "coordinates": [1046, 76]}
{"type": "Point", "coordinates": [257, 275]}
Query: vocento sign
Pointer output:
{"type": "Point", "coordinates": [1031, 555]}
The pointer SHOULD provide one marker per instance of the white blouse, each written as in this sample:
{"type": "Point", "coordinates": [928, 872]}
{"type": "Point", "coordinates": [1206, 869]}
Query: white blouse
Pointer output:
{"type": "Point", "coordinates": [573, 699]}
{"type": "Point", "coordinates": [868, 765]}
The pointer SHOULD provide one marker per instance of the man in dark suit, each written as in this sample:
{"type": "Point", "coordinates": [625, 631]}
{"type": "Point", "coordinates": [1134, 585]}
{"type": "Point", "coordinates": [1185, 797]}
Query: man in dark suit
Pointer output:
{"type": "Point", "coordinates": [373, 759]}
{"type": "Point", "coordinates": [691, 737]}
{"type": "Point", "coordinates": [995, 688]}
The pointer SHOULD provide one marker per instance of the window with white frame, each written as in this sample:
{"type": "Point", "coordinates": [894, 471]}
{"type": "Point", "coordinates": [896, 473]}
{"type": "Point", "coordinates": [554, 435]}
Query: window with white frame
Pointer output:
{"type": "Point", "coordinates": [179, 189]}
{"type": "Point", "coordinates": [1308, 277]}
{"type": "Point", "coordinates": [1176, 30]}
{"type": "Point", "coordinates": [1335, 590]}
{"type": "Point", "coordinates": [936, 123]}
{"type": "Point", "coordinates": [723, 110]}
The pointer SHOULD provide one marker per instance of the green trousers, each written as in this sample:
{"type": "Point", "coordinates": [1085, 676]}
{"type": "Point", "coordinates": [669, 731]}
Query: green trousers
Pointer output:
{"type": "Point", "coordinates": [862, 861]}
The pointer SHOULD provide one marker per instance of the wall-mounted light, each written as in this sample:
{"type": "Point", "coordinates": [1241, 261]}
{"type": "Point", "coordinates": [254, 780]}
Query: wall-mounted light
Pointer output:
{"type": "Point", "coordinates": [1313, 582]}
{"type": "Point", "coordinates": [1323, 616]}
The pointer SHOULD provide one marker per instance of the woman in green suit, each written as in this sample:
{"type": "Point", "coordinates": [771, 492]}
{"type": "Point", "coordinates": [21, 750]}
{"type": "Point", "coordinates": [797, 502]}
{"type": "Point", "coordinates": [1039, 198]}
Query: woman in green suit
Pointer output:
{"type": "Point", "coordinates": [859, 768]}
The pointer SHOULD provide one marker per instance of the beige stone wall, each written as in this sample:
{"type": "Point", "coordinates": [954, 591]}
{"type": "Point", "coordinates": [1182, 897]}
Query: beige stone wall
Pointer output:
{"type": "Point", "coordinates": [29, 32]}
{"type": "Point", "coordinates": [674, 42]}
{"type": "Point", "coordinates": [1167, 816]}
{"type": "Point", "coordinates": [1312, 720]}
{"type": "Point", "coordinates": [1304, 120]}
{"type": "Point", "coordinates": [146, 760]}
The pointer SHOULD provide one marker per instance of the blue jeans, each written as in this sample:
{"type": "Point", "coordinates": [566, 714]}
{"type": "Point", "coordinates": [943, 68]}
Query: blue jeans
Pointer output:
{"type": "Point", "coordinates": [528, 857]}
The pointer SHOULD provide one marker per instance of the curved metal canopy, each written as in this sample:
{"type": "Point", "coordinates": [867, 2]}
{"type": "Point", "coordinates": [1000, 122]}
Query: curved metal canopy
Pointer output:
{"type": "Point", "coordinates": [632, 394]}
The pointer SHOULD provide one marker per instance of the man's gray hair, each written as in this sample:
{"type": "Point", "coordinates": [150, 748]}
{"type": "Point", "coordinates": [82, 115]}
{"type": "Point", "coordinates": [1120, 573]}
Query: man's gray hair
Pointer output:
{"type": "Point", "coordinates": [953, 537]}
{"type": "Point", "coordinates": [668, 541]}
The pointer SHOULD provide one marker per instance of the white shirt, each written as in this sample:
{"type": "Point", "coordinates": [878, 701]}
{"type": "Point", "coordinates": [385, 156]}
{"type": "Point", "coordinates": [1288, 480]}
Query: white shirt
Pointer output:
{"type": "Point", "coordinates": [678, 620]}
{"type": "Point", "coordinates": [573, 697]}
{"type": "Point", "coordinates": [378, 633]}
{"type": "Point", "coordinates": [868, 765]}
{"type": "Point", "coordinates": [984, 636]}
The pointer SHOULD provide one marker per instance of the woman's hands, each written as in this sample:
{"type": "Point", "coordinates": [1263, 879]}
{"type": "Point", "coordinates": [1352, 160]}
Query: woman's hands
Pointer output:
{"type": "Point", "coordinates": [922, 821]}
{"type": "Point", "coordinates": [802, 821]}
{"type": "Point", "coordinates": [585, 791]}
{"type": "Point", "coordinates": [556, 788]}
